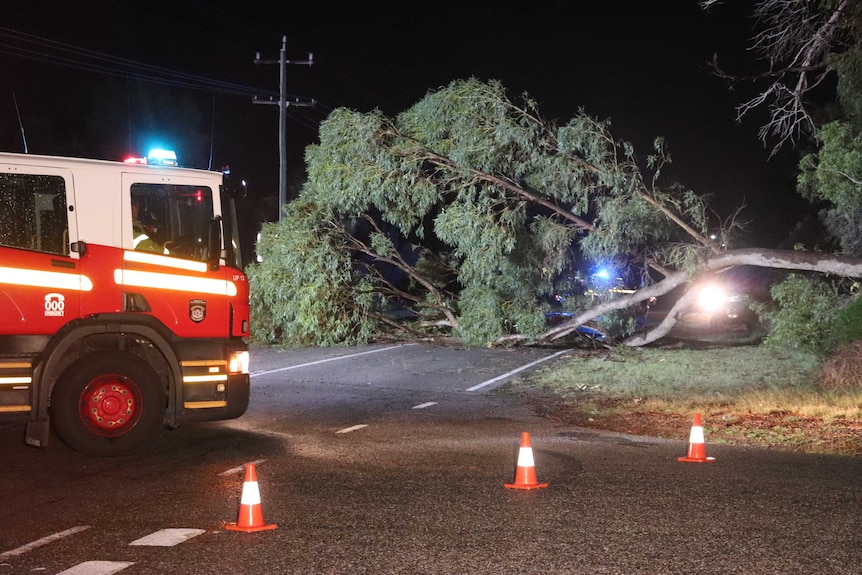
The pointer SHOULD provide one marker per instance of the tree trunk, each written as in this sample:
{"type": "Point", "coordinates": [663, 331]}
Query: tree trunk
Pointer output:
{"type": "Point", "coordinates": [830, 264]}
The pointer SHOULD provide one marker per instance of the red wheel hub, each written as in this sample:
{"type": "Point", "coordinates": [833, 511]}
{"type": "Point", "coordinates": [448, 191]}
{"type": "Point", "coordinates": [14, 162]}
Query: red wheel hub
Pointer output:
{"type": "Point", "coordinates": [109, 404]}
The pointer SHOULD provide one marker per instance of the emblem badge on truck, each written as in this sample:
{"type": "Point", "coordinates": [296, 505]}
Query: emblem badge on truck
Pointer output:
{"type": "Point", "coordinates": [197, 310]}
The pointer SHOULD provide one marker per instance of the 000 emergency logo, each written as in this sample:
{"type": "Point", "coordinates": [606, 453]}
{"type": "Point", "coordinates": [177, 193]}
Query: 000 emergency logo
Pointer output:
{"type": "Point", "coordinates": [55, 305]}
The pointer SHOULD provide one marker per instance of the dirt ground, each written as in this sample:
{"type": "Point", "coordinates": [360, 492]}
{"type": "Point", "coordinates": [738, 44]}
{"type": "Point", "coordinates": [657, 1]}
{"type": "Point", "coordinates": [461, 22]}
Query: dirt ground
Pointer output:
{"type": "Point", "coordinates": [779, 430]}
{"type": "Point", "coordinates": [776, 430]}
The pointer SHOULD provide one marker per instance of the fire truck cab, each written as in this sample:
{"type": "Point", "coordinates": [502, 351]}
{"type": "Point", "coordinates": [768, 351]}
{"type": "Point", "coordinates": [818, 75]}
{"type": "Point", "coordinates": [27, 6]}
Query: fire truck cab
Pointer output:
{"type": "Point", "coordinates": [123, 304]}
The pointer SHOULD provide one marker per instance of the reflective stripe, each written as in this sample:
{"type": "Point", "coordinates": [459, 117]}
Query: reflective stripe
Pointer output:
{"type": "Point", "coordinates": [250, 493]}
{"type": "Point", "coordinates": [174, 282]}
{"type": "Point", "coordinates": [155, 259]}
{"type": "Point", "coordinates": [525, 457]}
{"type": "Point", "coordinates": [139, 239]}
{"type": "Point", "coordinates": [38, 278]}
{"type": "Point", "coordinates": [15, 380]}
{"type": "Point", "coordinates": [696, 435]}
{"type": "Point", "coordinates": [200, 362]}
{"type": "Point", "coordinates": [204, 404]}
{"type": "Point", "coordinates": [204, 378]}
{"type": "Point", "coordinates": [14, 408]}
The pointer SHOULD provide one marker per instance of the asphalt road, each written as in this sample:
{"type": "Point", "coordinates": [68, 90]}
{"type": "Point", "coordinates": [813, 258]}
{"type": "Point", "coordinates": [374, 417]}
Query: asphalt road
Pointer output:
{"type": "Point", "coordinates": [394, 460]}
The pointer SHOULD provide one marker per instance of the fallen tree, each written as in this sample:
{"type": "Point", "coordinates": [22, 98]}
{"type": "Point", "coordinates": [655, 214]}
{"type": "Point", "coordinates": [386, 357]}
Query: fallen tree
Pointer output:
{"type": "Point", "coordinates": [468, 209]}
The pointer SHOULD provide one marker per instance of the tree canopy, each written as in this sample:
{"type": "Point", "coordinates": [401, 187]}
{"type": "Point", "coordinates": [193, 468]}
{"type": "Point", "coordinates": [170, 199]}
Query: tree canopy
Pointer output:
{"type": "Point", "coordinates": [468, 209]}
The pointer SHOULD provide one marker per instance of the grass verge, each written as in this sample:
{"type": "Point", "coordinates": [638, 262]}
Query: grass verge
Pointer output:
{"type": "Point", "coordinates": [747, 395]}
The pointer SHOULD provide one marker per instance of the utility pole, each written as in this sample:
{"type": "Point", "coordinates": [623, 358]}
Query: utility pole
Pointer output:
{"type": "Point", "coordinates": [282, 104]}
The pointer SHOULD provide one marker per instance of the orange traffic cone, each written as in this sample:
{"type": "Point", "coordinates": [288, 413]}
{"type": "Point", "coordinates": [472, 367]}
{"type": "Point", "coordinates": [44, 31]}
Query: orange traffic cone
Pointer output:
{"type": "Point", "coordinates": [525, 476]}
{"type": "Point", "coordinates": [250, 514]}
{"type": "Point", "coordinates": [696, 447]}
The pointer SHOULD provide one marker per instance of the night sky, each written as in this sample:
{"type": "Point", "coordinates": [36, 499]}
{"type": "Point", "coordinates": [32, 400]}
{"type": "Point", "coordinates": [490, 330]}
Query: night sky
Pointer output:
{"type": "Point", "coordinates": [107, 79]}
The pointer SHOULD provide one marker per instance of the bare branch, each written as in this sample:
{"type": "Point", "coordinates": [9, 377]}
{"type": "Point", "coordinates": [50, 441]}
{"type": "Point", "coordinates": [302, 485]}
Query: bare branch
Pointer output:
{"type": "Point", "coordinates": [796, 43]}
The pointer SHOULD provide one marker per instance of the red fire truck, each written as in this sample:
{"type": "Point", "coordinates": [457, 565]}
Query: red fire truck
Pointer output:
{"type": "Point", "coordinates": [123, 304]}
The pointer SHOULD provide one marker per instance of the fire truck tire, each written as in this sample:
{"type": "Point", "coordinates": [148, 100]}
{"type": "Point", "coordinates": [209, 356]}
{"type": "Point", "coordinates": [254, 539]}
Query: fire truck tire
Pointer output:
{"type": "Point", "coordinates": [107, 403]}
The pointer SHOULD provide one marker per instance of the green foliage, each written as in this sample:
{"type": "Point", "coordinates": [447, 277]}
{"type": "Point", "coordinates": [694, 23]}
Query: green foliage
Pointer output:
{"type": "Point", "coordinates": [848, 65]}
{"type": "Point", "coordinates": [806, 312]}
{"type": "Point", "coordinates": [848, 324]}
{"type": "Point", "coordinates": [833, 175]}
{"type": "Point", "coordinates": [527, 319]}
{"type": "Point", "coordinates": [618, 323]}
{"type": "Point", "coordinates": [469, 205]}
{"type": "Point", "coordinates": [480, 315]}
{"type": "Point", "coordinates": [304, 291]}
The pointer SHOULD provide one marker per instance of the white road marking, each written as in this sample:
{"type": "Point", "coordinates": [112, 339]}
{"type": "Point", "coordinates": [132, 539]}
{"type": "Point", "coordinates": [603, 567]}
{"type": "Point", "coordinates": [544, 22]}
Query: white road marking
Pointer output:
{"type": "Point", "coordinates": [424, 405]}
{"type": "Point", "coordinates": [318, 362]}
{"type": "Point", "coordinates": [43, 541]}
{"type": "Point", "coordinates": [168, 537]}
{"type": "Point", "coordinates": [96, 568]}
{"type": "Point", "coordinates": [241, 468]}
{"type": "Point", "coordinates": [349, 429]}
{"type": "Point", "coordinates": [514, 371]}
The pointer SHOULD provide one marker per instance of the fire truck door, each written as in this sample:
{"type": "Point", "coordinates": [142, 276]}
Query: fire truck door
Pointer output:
{"type": "Point", "coordinates": [40, 279]}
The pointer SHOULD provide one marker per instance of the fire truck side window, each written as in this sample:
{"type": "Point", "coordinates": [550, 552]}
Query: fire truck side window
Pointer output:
{"type": "Point", "coordinates": [33, 213]}
{"type": "Point", "coordinates": [171, 219]}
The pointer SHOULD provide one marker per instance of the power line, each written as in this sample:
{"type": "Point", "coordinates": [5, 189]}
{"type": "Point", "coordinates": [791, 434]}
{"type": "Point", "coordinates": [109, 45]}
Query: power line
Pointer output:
{"type": "Point", "coordinates": [53, 52]}
{"type": "Point", "coordinates": [67, 55]}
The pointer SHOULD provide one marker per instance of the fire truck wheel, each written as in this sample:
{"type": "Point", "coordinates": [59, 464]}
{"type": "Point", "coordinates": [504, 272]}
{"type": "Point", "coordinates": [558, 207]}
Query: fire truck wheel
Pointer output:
{"type": "Point", "coordinates": [107, 403]}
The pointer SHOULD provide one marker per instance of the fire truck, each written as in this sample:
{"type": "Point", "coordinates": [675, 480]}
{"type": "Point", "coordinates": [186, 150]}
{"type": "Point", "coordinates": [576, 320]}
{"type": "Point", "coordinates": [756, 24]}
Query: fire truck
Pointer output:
{"type": "Point", "coordinates": [123, 304]}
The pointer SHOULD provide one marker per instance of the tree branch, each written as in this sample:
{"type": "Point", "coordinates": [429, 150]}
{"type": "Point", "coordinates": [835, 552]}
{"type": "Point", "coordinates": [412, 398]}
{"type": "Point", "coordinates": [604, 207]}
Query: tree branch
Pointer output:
{"type": "Point", "coordinates": [844, 266]}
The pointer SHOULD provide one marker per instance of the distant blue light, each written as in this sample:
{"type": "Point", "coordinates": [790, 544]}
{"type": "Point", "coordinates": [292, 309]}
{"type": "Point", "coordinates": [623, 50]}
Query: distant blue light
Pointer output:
{"type": "Point", "coordinates": [602, 274]}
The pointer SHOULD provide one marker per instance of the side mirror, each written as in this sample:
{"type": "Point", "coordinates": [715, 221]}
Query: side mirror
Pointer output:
{"type": "Point", "coordinates": [79, 248]}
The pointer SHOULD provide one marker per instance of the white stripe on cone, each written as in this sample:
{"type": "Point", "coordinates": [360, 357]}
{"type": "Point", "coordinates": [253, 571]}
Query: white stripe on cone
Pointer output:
{"type": "Point", "coordinates": [250, 493]}
{"type": "Point", "coordinates": [525, 457]}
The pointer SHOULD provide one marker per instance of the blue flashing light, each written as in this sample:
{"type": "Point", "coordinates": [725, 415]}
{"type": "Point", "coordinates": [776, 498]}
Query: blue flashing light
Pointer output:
{"type": "Point", "coordinates": [160, 157]}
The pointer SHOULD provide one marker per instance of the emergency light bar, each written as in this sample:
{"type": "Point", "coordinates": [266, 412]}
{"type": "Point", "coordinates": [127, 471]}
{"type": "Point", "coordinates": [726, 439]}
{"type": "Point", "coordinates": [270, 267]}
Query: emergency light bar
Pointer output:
{"type": "Point", "coordinates": [156, 157]}
{"type": "Point", "coordinates": [159, 157]}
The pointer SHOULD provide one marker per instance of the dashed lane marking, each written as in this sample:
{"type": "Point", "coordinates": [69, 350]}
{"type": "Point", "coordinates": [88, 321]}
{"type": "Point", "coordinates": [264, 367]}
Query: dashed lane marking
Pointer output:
{"type": "Point", "coordinates": [168, 537]}
{"type": "Point", "coordinates": [327, 360]}
{"type": "Point", "coordinates": [354, 428]}
{"type": "Point", "coordinates": [96, 568]}
{"type": "Point", "coordinates": [43, 541]}
{"type": "Point", "coordinates": [514, 371]}
{"type": "Point", "coordinates": [241, 468]}
{"type": "Point", "coordinates": [161, 538]}
{"type": "Point", "coordinates": [424, 405]}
